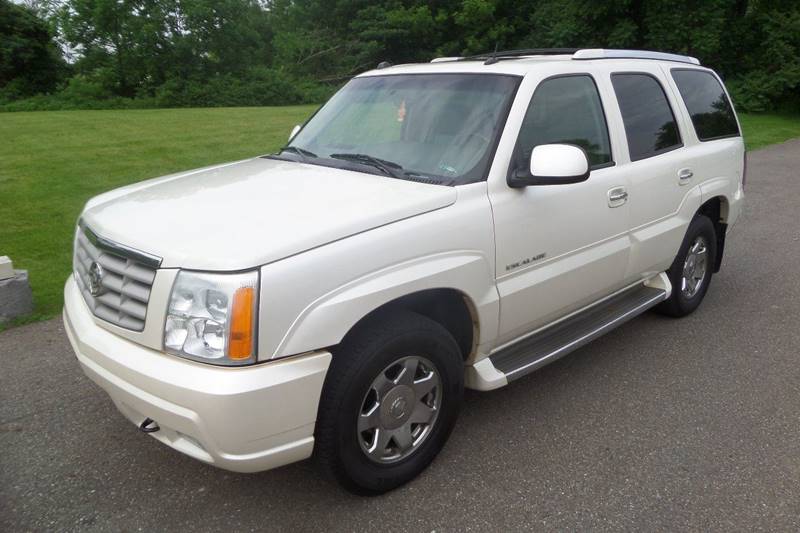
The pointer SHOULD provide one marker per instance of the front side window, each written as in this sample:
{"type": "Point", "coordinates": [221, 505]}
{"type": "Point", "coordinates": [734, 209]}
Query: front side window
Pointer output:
{"type": "Point", "coordinates": [708, 105]}
{"type": "Point", "coordinates": [441, 128]}
{"type": "Point", "coordinates": [650, 125]}
{"type": "Point", "coordinates": [565, 110]}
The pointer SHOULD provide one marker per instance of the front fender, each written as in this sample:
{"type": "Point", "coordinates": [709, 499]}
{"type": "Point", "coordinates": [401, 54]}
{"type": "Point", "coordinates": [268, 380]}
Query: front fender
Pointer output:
{"type": "Point", "coordinates": [326, 320]}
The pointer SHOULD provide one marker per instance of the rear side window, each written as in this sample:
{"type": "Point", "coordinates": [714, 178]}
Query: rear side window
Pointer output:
{"type": "Point", "coordinates": [708, 105]}
{"type": "Point", "coordinates": [566, 110]}
{"type": "Point", "coordinates": [650, 125]}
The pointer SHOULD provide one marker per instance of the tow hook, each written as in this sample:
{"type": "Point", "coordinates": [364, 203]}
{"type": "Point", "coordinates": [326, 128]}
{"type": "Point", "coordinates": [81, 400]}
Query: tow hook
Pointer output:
{"type": "Point", "coordinates": [149, 426]}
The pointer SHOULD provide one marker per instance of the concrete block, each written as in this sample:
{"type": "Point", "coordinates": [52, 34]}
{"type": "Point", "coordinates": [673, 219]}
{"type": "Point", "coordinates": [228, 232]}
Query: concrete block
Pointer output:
{"type": "Point", "coordinates": [6, 267]}
{"type": "Point", "coordinates": [16, 298]}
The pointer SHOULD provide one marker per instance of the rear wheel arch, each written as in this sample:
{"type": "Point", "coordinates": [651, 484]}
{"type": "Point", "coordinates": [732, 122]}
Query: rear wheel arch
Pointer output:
{"type": "Point", "coordinates": [717, 210]}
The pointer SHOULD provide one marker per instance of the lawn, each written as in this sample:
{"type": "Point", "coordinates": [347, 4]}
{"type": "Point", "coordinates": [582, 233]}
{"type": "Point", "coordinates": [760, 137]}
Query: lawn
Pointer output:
{"type": "Point", "coordinates": [52, 162]}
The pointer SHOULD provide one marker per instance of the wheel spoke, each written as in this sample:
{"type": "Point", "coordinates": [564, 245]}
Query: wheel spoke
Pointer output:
{"type": "Point", "coordinates": [422, 414]}
{"type": "Point", "coordinates": [370, 420]}
{"type": "Point", "coordinates": [402, 437]}
{"type": "Point", "coordinates": [379, 443]}
{"type": "Point", "coordinates": [382, 385]}
{"type": "Point", "coordinates": [406, 376]}
{"type": "Point", "coordinates": [424, 385]}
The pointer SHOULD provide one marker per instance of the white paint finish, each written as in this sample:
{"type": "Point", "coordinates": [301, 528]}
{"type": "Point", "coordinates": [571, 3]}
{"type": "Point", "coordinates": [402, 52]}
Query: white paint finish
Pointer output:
{"type": "Point", "coordinates": [232, 412]}
{"type": "Point", "coordinates": [257, 211]}
{"type": "Point", "coordinates": [585, 241]}
{"type": "Point", "coordinates": [483, 376]}
{"type": "Point", "coordinates": [313, 299]}
{"type": "Point", "coordinates": [6, 268]}
{"type": "Point", "coordinates": [558, 161]}
{"type": "Point", "coordinates": [334, 245]}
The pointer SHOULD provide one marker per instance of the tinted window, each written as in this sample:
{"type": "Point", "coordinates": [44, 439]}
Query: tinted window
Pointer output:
{"type": "Point", "coordinates": [707, 103]}
{"type": "Point", "coordinates": [649, 123]}
{"type": "Point", "coordinates": [565, 110]}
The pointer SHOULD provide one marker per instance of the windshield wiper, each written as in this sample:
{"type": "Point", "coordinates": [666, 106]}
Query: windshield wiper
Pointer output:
{"type": "Point", "coordinates": [388, 167]}
{"type": "Point", "coordinates": [302, 152]}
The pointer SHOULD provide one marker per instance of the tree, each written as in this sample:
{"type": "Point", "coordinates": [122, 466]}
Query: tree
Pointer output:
{"type": "Point", "coordinates": [30, 61]}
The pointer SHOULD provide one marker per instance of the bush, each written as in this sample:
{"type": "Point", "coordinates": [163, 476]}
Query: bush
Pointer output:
{"type": "Point", "coordinates": [257, 87]}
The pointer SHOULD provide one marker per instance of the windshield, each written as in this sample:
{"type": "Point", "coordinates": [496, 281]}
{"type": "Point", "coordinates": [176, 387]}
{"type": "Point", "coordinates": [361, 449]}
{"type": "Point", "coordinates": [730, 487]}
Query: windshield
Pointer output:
{"type": "Point", "coordinates": [440, 128]}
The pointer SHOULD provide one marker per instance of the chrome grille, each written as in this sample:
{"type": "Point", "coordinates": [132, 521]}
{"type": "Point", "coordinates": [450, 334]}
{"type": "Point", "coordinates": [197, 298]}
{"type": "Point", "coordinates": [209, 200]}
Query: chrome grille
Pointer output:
{"type": "Point", "coordinates": [125, 279]}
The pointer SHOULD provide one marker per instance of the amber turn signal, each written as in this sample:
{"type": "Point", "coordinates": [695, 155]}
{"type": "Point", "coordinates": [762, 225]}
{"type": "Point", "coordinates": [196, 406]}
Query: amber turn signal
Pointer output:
{"type": "Point", "coordinates": [240, 344]}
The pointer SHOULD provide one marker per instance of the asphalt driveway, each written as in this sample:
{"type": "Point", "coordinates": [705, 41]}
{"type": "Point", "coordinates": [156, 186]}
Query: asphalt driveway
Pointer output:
{"type": "Point", "coordinates": [661, 425]}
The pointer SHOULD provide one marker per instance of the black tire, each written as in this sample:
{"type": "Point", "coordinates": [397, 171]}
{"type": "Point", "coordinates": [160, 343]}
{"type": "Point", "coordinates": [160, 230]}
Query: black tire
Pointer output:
{"type": "Point", "coordinates": [679, 303]}
{"type": "Point", "coordinates": [357, 361]}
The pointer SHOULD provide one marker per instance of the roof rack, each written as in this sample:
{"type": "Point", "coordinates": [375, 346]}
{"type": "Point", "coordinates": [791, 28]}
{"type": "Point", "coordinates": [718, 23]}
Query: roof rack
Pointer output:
{"type": "Point", "coordinates": [600, 53]}
{"type": "Point", "coordinates": [576, 53]}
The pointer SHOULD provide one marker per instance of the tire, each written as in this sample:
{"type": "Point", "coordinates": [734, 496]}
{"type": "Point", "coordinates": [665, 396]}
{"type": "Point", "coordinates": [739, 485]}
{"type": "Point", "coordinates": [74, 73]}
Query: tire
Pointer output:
{"type": "Point", "coordinates": [381, 348]}
{"type": "Point", "coordinates": [684, 301]}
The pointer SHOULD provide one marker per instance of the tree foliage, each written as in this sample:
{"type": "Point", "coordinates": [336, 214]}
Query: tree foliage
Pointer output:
{"type": "Point", "coordinates": [30, 62]}
{"type": "Point", "coordinates": [232, 52]}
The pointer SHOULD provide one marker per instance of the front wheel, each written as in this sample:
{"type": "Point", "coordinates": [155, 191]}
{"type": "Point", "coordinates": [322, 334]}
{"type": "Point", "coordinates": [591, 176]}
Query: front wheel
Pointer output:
{"type": "Point", "coordinates": [389, 403]}
{"type": "Point", "coordinates": [690, 273]}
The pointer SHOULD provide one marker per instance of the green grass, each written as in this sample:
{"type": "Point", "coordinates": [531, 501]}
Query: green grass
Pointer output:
{"type": "Point", "coordinates": [52, 162]}
{"type": "Point", "coordinates": [762, 130]}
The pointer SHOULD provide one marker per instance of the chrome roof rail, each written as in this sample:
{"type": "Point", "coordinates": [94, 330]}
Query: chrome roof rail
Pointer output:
{"type": "Point", "coordinates": [445, 59]}
{"type": "Point", "coordinates": [600, 53]}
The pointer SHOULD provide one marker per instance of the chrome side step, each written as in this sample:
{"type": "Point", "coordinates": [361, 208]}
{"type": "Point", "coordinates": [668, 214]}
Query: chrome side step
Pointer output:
{"type": "Point", "coordinates": [560, 339]}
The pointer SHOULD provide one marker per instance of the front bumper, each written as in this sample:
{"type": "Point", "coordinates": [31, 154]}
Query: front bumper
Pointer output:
{"type": "Point", "coordinates": [243, 419]}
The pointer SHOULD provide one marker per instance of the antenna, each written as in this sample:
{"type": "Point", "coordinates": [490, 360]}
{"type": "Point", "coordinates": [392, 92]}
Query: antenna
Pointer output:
{"type": "Point", "coordinates": [493, 59]}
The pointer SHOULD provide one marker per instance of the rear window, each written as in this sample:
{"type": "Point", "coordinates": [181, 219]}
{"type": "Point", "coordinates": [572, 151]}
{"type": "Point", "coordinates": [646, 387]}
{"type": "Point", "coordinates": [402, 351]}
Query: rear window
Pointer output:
{"type": "Point", "coordinates": [650, 125]}
{"type": "Point", "coordinates": [708, 105]}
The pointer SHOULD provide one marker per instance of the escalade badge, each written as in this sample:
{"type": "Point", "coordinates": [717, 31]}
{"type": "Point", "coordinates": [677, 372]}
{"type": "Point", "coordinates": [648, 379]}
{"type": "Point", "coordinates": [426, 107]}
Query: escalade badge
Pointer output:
{"type": "Point", "coordinates": [96, 279]}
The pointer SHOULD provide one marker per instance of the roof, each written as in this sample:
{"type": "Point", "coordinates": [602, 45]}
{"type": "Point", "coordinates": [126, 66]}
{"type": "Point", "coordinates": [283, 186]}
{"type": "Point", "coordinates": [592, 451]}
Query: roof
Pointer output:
{"type": "Point", "coordinates": [520, 62]}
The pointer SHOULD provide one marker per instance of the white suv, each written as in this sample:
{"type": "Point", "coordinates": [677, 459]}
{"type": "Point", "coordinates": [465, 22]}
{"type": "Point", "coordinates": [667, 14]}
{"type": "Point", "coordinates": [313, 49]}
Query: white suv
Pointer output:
{"type": "Point", "coordinates": [431, 227]}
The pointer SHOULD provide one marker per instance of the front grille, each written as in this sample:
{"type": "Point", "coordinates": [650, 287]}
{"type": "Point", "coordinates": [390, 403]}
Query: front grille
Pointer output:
{"type": "Point", "coordinates": [125, 279]}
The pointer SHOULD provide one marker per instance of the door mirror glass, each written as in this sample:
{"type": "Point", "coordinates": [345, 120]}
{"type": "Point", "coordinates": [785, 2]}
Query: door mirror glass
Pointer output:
{"type": "Point", "coordinates": [554, 164]}
{"type": "Point", "coordinates": [295, 130]}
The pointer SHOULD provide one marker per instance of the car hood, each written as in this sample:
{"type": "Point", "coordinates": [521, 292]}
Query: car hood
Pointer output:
{"type": "Point", "coordinates": [249, 213]}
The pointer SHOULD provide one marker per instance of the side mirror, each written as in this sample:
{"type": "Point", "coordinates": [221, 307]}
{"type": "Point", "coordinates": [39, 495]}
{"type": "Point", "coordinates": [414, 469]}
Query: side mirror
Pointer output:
{"type": "Point", "coordinates": [553, 164]}
{"type": "Point", "coordinates": [294, 132]}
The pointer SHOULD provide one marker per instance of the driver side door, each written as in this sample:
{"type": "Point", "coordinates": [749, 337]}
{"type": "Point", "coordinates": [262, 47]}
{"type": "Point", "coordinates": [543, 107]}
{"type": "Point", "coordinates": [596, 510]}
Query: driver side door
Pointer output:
{"type": "Point", "coordinates": [560, 247]}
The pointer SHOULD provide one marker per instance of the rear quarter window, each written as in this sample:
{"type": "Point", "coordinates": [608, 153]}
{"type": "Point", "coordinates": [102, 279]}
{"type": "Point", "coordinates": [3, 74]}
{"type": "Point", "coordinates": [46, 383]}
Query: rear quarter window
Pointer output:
{"type": "Point", "coordinates": [708, 105]}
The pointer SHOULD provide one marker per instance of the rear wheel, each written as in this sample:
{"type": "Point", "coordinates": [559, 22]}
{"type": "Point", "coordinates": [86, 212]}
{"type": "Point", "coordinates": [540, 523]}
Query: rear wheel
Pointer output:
{"type": "Point", "coordinates": [690, 273]}
{"type": "Point", "coordinates": [389, 403]}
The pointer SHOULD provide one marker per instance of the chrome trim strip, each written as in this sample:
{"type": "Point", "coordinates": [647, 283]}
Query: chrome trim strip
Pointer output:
{"type": "Point", "coordinates": [144, 258]}
{"type": "Point", "coordinates": [585, 339]}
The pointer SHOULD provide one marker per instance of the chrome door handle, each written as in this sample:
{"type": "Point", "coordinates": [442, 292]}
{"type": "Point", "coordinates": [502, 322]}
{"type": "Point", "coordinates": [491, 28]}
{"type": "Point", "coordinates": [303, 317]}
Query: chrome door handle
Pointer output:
{"type": "Point", "coordinates": [617, 197]}
{"type": "Point", "coordinates": [684, 175]}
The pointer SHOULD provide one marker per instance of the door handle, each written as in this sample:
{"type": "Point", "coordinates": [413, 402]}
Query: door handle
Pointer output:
{"type": "Point", "coordinates": [617, 196]}
{"type": "Point", "coordinates": [684, 175]}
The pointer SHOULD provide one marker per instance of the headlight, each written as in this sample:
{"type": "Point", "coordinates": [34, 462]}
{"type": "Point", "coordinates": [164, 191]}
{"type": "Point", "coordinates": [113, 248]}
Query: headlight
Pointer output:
{"type": "Point", "coordinates": [212, 317]}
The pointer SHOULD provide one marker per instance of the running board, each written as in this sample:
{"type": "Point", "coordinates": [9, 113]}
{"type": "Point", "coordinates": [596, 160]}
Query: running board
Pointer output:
{"type": "Point", "coordinates": [564, 337]}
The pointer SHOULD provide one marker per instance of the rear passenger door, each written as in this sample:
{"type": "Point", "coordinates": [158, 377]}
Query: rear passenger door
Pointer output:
{"type": "Point", "coordinates": [656, 168]}
{"type": "Point", "coordinates": [714, 151]}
